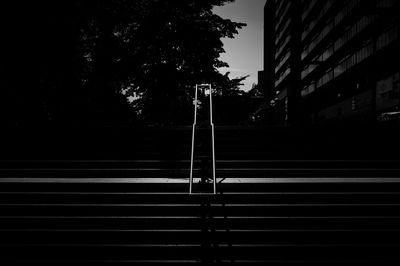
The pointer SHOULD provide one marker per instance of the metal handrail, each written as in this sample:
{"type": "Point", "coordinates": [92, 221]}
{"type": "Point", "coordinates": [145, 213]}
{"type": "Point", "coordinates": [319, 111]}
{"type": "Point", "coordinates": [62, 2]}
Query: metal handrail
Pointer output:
{"type": "Point", "coordinates": [193, 138]}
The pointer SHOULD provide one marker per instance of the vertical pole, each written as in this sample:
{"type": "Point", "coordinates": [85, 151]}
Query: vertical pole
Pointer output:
{"type": "Point", "coordinates": [213, 142]}
{"type": "Point", "coordinates": [193, 135]}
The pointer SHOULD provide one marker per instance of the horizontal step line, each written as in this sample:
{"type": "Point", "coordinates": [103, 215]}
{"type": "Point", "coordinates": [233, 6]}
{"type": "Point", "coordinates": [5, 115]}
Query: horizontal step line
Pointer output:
{"type": "Point", "coordinates": [220, 245]}
{"type": "Point", "coordinates": [198, 205]}
{"type": "Point", "coordinates": [199, 230]}
{"type": "Point", "coordinates": [196, 261]}
{"type": "Point", "coordinates": [93, 169]}
{"type": "Point", "coordinates": [98, 217]}
{"type": "Point", "coordinates": [70, 193]}
{"type": "Point", "coordinates": [253, 180]}
{"type": "Point", "coordinates": [108, 261]}
{"type": "Point", "coordinates": [106, 230]}
{"type": "Point", "coordinates": [198, 217]}
{"type": "Point", "coordinates": [223, 161]}
{"type": "Point", "coordinates": [187, 169]}
{"type": "Point", "coordinates": [92, 161]}
{"type": "Point", "coordinates": [102, 245]}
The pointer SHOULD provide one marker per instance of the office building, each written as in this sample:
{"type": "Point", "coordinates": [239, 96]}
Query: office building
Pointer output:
{"type": "Point", "coordinates": [332, 60]}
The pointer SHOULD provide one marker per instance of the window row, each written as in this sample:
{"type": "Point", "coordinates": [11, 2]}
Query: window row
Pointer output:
{"type": "Point", "coordinates": [308, 70]}
{"type": "Point", "coordinates": [310, 26]}
{"type": "Point", "coordinates": [327, 77]}
{"type": "Point", "coordinates": [328, 52]}
{"type": "Point", "coordinates": [283, 61]}
{"type": "Point", "coordinates": [308, 8]}
{"type": "Point", "coordinates": [354, 30]}
{"type": "Point", "coordinates": [282, 4]}
{"type": "Point", "coordinates": [346, 37]}
{"type": "Point", "coordinates": [327, 29]}
{"type": "Point", "coordinates": [344, 65]}
{"type": "Point", "coordinates": [387, 38]}
{"type": "Point", "coordinates": [278, 53]}
{"type": "Point", "coordinates": [345, 11]}
{"type": "Point", "coordinates": [279, 35]}
{"type": "Point", "coordinates": [333, 23]}
{"type": "Point", "coordinates": [280, 20]}
{"type": "Point", "coordinates": [282, 76]}
{"type": "Point", "coordinates": [386, 3]}
{"type": "Point", "coordinates": [307, 90]}
{"type": "Point", "coordinates": [351, 60]}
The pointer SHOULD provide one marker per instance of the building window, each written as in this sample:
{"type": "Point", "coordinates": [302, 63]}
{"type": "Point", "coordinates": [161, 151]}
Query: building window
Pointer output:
{"type": "Point", "coordinates": [354, 30]}
{"type": "Point", "coordinates": [308, 8]}
{"type": "Point", "coordinates": [278, 53]}
{"type": "Point", "coordinates": [283, 61]}
{"type": "Point", "coordinates": [318, 38]}
{"type": "Point", "coordinates": [321, 14]}
{"type": "Point", "coordinates": [345, 11]}
{"type": "Point", "coordinates": [327, 77]}
{"type": "Point", "coordinates": [365, 52]}
{"type": "Point", "coordinates": [281, 17]}
{"type": "Point", "coordinates": [386, 3]}
{"type": "Point", "coordinates": [279, 37]}
{"type": "Point", "coordinates": [387, 38]}
{"type": "Point", "coordinates": [307, 90]}
{"type": "Point", "coordinates": [282, 76]}
{"type": "Point", "coordinates": [354, 59]}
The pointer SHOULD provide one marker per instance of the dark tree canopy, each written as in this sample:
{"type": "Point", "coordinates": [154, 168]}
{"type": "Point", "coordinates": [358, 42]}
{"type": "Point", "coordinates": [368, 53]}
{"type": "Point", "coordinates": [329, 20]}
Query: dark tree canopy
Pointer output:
{"type": "Point", "coordinates": [110, 61]}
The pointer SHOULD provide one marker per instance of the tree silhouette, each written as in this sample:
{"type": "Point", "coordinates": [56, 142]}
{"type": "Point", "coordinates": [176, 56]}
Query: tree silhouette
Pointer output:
{"type": "Point", "coordinates": [77, 62]}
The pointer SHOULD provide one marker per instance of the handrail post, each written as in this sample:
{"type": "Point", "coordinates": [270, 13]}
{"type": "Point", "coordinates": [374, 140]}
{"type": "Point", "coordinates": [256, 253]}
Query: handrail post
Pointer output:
{"type": "Point", "coordinates": [193, 136]}
{"type": "Point", "coordinates": [212, 139]}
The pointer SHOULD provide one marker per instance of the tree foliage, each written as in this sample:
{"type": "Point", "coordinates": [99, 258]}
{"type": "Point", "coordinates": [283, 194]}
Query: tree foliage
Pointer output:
{"type": "Point", "coordinates": [107, 61]}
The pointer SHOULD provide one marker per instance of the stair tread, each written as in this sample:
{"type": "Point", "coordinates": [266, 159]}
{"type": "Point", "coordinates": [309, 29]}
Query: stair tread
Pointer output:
{"type": "Point", "coordinates": [272, 208]}
{"type": "Point", "coordinates": [80, 180]}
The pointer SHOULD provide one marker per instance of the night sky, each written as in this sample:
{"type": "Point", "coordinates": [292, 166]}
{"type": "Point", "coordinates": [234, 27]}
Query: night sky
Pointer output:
{"type": "Point", "coordinates": [244, 54]}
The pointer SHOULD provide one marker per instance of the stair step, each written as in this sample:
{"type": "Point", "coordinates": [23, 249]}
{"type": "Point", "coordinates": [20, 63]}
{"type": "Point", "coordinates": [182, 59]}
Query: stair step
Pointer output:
{"type": "Point", "coordinates": [185, 252]}
{"type": "Point", "coordinates": [124, 203]}
{"type": "Point", "coordinates": [176, 198]}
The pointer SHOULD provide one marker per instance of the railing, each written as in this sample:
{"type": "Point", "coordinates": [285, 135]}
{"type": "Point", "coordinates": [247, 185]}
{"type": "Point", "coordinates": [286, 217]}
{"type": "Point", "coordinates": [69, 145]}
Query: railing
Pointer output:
{"type": "Point", "coordinates": [196, 106]}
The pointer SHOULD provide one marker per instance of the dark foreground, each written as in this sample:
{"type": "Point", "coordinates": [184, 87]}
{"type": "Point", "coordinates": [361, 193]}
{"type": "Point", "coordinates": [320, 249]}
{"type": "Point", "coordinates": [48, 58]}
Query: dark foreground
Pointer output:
{"type": "Point", "coordinates": [120, 197]}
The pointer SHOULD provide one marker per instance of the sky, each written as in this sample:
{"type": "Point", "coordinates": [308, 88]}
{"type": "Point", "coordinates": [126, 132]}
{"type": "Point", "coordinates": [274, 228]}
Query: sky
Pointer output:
{"type": "Point", "coordinates": [244, 53]}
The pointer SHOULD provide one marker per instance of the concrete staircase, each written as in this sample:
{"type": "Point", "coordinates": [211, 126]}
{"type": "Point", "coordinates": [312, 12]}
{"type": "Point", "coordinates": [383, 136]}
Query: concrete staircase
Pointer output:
{"type": "Point", "coordinates": [134, 209]}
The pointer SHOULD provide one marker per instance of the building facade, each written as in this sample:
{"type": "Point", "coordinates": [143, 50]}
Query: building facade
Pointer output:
{"type": "Point", "coordinates": [331, 60]}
